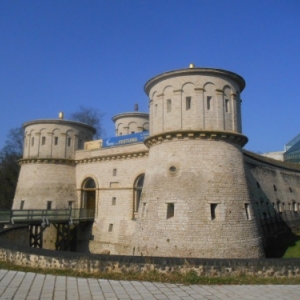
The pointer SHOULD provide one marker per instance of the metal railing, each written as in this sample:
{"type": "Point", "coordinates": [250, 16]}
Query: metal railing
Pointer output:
{"type": "Point", "coordinates": [47, 216]}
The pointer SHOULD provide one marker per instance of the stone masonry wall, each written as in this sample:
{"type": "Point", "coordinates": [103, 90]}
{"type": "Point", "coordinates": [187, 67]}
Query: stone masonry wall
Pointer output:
{"type": "Point", "coordinates": [275, 192]}
{"type": "Point", "coordinates": [194, 177]}
{"type": "Point", "coordinates": [91, 263]}
{"type": "Point", "coordinates": [115, 171]}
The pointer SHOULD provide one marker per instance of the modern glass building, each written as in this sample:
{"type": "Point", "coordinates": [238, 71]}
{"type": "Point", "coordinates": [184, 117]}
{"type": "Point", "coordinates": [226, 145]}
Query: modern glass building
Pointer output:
{"type": "Point", "coordinates": [292, 150]}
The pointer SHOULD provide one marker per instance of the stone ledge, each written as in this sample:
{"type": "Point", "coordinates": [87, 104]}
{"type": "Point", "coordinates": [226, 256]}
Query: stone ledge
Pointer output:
{"type": "Point", "coordinates": [231, 137]}
{"type": "Point", "coordinates": [41, 160]}
{"type": "Point", "coordinates": [119, 156]}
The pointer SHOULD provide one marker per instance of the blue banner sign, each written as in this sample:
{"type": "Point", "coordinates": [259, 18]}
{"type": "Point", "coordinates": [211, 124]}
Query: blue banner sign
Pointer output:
{"type": "Point", "coordinates": [125, 139]}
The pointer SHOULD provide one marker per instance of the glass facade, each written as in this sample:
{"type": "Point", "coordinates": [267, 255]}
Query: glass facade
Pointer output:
{"type": "Point", "coordinates": [292, 153]}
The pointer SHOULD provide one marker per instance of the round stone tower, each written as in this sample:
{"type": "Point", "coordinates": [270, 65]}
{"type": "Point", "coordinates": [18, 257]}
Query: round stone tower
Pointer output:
{"type": "Point", "coordinates": [195, 201]}
{"type": "Point", "coordinates": [131, 122]}
{"type": "Point", "coordinates": [47, 175]}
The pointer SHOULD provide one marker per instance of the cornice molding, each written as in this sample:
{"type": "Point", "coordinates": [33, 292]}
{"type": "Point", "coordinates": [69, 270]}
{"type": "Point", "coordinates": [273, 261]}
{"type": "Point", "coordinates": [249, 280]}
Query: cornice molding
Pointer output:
{"type": "Point", "coordinates": [231, 137]}
{"type": "Point", "coordinates": [42, 160]}
{"type": "Point", "coordinates": [110, 157]}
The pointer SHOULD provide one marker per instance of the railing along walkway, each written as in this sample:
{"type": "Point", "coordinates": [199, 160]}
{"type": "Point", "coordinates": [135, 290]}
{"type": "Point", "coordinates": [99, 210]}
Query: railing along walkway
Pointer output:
{"type": "Point", "coordinates": [46, 216]}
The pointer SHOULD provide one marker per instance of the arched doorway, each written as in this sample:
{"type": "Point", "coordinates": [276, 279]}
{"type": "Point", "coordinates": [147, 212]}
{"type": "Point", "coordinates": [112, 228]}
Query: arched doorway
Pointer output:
{"type": "Point", "coordinates": [88, 200]}
{"type": "Point", "coordinates": [138, 187]}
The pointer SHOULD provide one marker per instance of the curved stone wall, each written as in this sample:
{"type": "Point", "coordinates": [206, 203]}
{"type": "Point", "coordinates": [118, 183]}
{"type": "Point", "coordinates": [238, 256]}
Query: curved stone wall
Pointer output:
{"type": "Point", "coordinates": [195, 99]}
{"type": "Point", "coordinates": [55, 138]}
{"type": "Point", "coordinates": [196, 207]}
{"type": "Point", "coordinates": [132, 122]}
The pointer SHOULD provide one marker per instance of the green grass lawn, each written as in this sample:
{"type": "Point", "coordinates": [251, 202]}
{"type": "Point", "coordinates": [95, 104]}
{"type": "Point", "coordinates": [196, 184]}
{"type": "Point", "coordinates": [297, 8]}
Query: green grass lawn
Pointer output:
{"type": "Point", "coordinates": [285, 246]}
{"type": "Point", "coordinates": [293, 251]}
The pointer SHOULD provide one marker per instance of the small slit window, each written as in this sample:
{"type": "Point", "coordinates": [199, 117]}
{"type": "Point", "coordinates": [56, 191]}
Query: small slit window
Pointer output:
{"type": "Point", "coordinates": [43, 140]}
{"type": "Point", "coordinates": [275, 188]}
{"type": "Point", "coordinates": [113, 201]}
{"type": "Point", "coordinates": [213, 210]}
{"type": "Point", "coordinates": [247, 210]}
{"type": "Point", "coordinates": [208, 102]}
{"type": "Point", "coordinates": [110, 227]}
{"type": "Point", "coordinates": [114, 172]}
{"type": "Point", "coordinates": [279, 208]}
{"type": "Point", "coordinates": [258, 185]}
{"type": "Point", "coordinates": [170, 210]}
{"type": "Point", "coordinates": [188, 101]}
{"type": "Point", "coordinates": [169, 105]}
{"type": "Point", "coordinates": [69, 142]}
{"type": "Point", "coordinates": [49, 204]}
{"type": "Point", "coordinates": [55, 140]}
{"type": "Point", "coordinates": [226, 105]}
{"type": "Point", "coordinates": [22, 204]}
{"type": "Point", "coordinates": [291, 190]}
{"type": "Point", "coordinates": [32, 141]}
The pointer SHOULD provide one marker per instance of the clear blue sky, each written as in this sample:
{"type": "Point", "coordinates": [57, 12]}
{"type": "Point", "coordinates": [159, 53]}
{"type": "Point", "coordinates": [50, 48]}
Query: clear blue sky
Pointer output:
{"type": "Point", "coordinates": [57, 55]}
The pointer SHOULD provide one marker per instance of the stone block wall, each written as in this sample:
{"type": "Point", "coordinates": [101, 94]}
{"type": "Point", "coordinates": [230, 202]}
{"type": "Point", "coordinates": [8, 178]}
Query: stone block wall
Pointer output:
{"type": "Point", "coordinates": [92, 263]}
{"type": "Point", "coordinates": [114, 171]}
{"type": "Point", "coordinates": [275, 193]}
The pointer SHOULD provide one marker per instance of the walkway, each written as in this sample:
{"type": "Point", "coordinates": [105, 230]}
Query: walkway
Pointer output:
{"type": "Point", "coordinates": [20, 286]}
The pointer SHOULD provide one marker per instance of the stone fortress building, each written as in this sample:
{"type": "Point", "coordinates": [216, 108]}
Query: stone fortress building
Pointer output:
{"type": "Point", "coordinates": [174, 182]}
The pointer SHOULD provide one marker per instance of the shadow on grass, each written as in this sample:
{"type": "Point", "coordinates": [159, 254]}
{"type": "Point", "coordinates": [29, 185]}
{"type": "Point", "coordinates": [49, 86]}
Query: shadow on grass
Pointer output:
{"type": "Point", "coordinates": [277, 247]}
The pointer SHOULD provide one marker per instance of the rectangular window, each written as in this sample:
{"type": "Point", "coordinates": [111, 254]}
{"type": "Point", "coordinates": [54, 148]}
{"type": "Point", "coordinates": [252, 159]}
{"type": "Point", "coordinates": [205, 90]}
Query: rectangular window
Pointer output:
{"type": "Point", "coordinates": [69, 142]}
{"type": "Point", "coordinates": [247, 210]}
{"type": "Point", "coordinates": [110, 227]}
{"type": "Point", "coordinates": [49, 204]}
{"type": "Point", "coordinates": [170, 210]}
{"type": "Point", "coordinates": [226, 105]}
{"type": "Point", "coordinates": [22, 205]}
{"type": "Point", "coordinates": [55, 140]}
{"type": "Point", "coordinates": [114, 172]}
{"type": "Point", "coordinates": [208, 102]}
{"type": "Point", "coordinates": [188, 101]}
{"type": "Point", "coordinates": [213, 209]}
{"type": "Point", "coordinates": [32, 141]}
{"type": "Point", "coordinates": [113, 201]}
{"type": "Point", "coordinates": [43, 140]}
{"type": "Point", "coordinates": [169, 107]}
{"type": "Point", "coordinates": [70, 204]}
{"type": "Point", "coordinates": [294, 206]}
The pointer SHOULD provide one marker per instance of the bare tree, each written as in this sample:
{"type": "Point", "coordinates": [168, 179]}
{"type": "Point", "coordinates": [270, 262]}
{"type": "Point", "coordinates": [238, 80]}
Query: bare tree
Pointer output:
{"type": "Point", "coordinates": [9, 166]}
{"type": "Point", "coordinates": [90, 116]}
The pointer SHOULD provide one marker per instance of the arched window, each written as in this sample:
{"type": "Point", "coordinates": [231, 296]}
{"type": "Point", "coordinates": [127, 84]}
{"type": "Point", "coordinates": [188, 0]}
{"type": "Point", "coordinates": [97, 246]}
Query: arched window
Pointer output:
{"type": "Point", "coordinates": [88, 195]}
{"type": "Point", "coordinates": [138, 187]}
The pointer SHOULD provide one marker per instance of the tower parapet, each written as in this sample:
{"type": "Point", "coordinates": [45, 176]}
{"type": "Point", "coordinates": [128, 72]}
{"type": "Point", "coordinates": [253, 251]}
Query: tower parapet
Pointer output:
{"type": "Point", "coordinates": [55, 138]}
{"type": "Point", "coordinates": [131, 122]}
{"type": "Point", "coordinates": [195, 99]}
